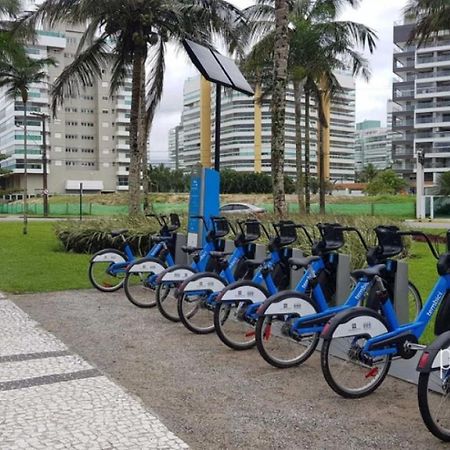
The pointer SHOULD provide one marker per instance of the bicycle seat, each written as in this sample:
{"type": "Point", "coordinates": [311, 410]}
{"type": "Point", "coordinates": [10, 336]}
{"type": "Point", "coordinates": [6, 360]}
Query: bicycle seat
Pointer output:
{"type": "Point", "coordinates": [189, 250]}
{"type": "Point", "coordinates": [305, 261]}
{"type": "Point", "coordinates": [218, 255]}
{"type": "Point", "coordinates": [161, 238]}
{"type": "Point", "coordinates": [116, 233]}
{"type": "Point", "coordinates": [253, 263]}
{"type": "Point", "coordinates": [370, 272]}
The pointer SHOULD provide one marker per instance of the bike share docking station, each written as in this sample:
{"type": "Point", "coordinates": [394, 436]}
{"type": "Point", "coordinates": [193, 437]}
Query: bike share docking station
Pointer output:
{"type": "Point", "coordinates": [204, 197]}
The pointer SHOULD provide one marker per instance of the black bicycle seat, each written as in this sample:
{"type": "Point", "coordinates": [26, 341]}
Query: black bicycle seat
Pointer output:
{"type": "Point", "coordinates": [116, 233]}
{"type": "Point", "coordinates": [253, 263]}
{"type": "Point", "coordinates": [305, 261]}
{"type": "Point", "coordinates": [161, 238]}
{"type": "Point", "coordinates": [189, 250]}
{"type": "Point", "coordinates": [217, 255]}
{"type": "Point", "coordinates": [370, 272]}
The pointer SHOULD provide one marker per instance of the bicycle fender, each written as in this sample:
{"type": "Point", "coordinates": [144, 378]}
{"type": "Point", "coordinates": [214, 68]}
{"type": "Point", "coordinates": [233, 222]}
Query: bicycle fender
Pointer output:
{"type": "Point", "coordinates": [287, 302]}
{"type": "Point", "coordinates": [355, 322]}
{"type": "Point", "coordinates": [176, 274]}
{"type": "Point", "coordinates": [108, 255]}
{"type": "Point", "coordinates": [204, 281]}
{"type": "Point", "coordinates": [247, 291]}
{"type": "Point", "coordinates": [438, 354]}
{"type": "Point", "coordinates": [150, 265]}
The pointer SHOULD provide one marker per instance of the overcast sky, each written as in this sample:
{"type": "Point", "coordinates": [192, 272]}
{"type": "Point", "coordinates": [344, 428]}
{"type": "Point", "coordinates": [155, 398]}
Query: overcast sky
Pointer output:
{"type": "Point", "coordinates": [371, 96]}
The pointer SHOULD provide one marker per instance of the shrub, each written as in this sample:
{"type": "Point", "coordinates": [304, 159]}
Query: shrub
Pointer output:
{"type": "Point", "coordinates": [93, 235]}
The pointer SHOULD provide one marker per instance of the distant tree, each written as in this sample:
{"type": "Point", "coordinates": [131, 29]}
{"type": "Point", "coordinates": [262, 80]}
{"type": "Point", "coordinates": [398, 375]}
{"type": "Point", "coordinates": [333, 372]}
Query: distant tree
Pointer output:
{"type": "Point", "coordinates": [386, 182]}
{"type": "Point", "coordinates": [444, 184]}
{"type": "Point", "coordinates": [368, 173]}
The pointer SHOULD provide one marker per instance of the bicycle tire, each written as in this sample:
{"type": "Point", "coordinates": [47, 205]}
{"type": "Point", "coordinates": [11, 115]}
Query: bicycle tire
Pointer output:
{"type": "Point", "coordinates": [105, 284]}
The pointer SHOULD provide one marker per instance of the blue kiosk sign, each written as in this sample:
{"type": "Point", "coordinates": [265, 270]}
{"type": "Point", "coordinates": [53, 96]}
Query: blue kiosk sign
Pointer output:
{"type": "Point", "coordinates": [205, 183]}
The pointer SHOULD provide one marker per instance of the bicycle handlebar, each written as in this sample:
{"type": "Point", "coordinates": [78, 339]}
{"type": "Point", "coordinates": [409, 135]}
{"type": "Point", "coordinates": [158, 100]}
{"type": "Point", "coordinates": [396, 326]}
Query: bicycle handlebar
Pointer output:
{"type": "Point", "coordinates": [420, 233]}
{"type": "Point", "coordinates": [202, 219]}
{"type": "Point", "coordinates": [355, 230]}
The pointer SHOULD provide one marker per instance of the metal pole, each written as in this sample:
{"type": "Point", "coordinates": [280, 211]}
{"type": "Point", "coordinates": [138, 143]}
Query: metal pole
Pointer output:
{"type": "Point", "coordinates": [44, 166]}
{"type": "Point", "coordinates": [217, 128]}
{"type": "Point", "coordinates": [25, 170]}
{"type": "Point", "coordinates": [81, 201]}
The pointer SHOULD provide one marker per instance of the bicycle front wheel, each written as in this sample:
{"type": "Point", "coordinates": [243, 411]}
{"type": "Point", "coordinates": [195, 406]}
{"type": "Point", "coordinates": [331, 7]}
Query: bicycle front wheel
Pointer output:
{"type": "Point", "coordinates": [434, 402]}
{"type": "Point", "coordinates": [348, 371]}
{"type": "Point", "coordinates": [138, 289]}
{"type": "Point", "coordinates": [231, 327]}
{"type": "Point", "coordinates": [196, 312]}
{"type": "Point", "coordinates": [105, 275]}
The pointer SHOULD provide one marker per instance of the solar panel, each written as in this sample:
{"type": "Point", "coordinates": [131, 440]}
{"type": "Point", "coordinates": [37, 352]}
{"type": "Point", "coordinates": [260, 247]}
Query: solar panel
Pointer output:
{"type": "Point", "coordinates": [235, 75]}
{"type": "Point", "coordinates": [216, 67]}
{"type": "Point", "coordinates": [205, 62]}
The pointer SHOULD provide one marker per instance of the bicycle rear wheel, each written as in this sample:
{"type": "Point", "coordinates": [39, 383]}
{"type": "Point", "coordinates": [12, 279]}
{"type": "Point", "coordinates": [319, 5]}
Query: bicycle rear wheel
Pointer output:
{"type": "Point", "coordinates": [231, 326]}
{"type": "Point", "coordinates": [348, 371]}
{"type": "Point", "coordinates": [103, 278]}
{"type": "Point", "coordinates": [434, 402]}
{"type": "Point", "coordinates": [196, 312]}
{"type": "Point", "coordinates": [277, 345]}
{"type": "Point", "coordinates": [166, 301]}
{"type": "Point", "coordinates": [138, 289]}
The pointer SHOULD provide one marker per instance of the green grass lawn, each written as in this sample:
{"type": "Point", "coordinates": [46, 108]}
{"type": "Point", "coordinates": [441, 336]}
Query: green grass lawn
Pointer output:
{"type": "Point", "coordinates": [36, 262]}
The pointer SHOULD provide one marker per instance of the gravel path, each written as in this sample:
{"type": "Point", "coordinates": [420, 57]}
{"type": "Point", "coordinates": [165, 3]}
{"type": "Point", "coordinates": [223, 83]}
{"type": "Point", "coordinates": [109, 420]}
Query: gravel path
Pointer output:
{"type": "Point", "coordinates": [214, 398]}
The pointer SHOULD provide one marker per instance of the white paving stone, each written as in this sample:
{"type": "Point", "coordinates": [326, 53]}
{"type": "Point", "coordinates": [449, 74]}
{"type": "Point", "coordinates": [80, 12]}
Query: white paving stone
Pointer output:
{"type": "Point", "coordinates": [20, 334]}
{"type": "Point", "coordinates": [21, 370]}
{"type": "Point", "coordinates": [89, 413]}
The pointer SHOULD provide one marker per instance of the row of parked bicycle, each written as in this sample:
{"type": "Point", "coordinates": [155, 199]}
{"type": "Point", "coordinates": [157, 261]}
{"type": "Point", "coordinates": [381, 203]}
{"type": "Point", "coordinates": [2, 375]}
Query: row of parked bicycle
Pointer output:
{"type": "Point", "coordinates": [246, 301]}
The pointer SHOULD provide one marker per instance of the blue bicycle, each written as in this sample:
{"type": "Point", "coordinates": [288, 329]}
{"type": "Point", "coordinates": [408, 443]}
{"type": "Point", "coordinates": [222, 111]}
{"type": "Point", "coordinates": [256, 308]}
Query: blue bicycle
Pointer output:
{"type": "Point", "coordinates": [434, 366]}
{"type": "Point", "coordinates": [290, 322]}
{"type": "Point", "coordinates": [197, 295]}
{"type": "Point", "coordinates": [107, 268]}
{"type": "Point", "coordinates": [359, 344]}
{"type": "Point", "coordinates": [168, 280]}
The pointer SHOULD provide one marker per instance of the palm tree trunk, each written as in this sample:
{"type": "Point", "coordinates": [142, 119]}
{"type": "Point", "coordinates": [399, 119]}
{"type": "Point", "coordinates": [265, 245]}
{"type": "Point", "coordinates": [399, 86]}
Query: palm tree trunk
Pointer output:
{"type": "Point", "coordinates": [134, 178]}
{"type": "Point", "coordinates": [307, 153]}
{"type": "Point", "coordinates": [143, 136]}
{"type": "Point", "coordinates": [321, 163]}
{"type": "Point", "coordinates": [298, 145]}
{"type": "Point", "coordinates": [281, 52]}
{"type": "Point", "coordinates": [25, 170]}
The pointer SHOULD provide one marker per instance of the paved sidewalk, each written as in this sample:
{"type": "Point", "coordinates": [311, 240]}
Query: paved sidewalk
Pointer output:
{"type": "Point", "coordinates": [51, 398]}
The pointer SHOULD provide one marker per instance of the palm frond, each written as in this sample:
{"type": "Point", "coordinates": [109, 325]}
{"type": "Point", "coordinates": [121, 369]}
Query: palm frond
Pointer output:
{"type": "Point", "coordinates": [81, 72]}
{"type": "Point", "coordinates": [155, 81]}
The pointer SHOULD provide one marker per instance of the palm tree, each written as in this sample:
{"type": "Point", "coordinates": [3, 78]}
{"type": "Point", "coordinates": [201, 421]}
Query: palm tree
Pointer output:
{"type": "Point", "coordinates": [10, 44]}
{"type": "Point", "coordinates": [318, 45]}
{"type": "Point", "coordinates": [431, 16]}
{"type": "Point", "coordinates": [280, 77]}
{"type": "Point", "coordinates": [122, 34]}
{"type": "Point", "coordinates": [17, 76]}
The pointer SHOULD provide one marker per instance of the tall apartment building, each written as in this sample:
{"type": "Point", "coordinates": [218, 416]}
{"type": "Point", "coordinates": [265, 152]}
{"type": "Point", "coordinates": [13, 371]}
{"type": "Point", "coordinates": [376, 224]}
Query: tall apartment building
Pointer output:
{"type": "Point", "coordinates": [238, 131]}
{"type": "Point", "coordinates": [373, 145]}
{"type": "Point", "coordinates": [176, 147]}
{"type": "Point", "coordinates": [423, 93]}
{"type": "Point", "coordinates": [88, 140]}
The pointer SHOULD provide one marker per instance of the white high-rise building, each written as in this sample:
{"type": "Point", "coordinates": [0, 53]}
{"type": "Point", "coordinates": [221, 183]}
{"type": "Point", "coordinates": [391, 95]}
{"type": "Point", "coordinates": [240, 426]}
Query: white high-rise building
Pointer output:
{"type": "Point", "coordinates": [373, 145]}
{"type": "Point", "coordinates": [87, 141]}
{"type": "Point", "coordinates": [238, 130]}
{"type": "Point", "coordinates": [423, 93]}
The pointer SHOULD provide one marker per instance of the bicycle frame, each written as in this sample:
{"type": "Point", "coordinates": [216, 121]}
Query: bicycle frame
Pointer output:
{"type": "Point", "coordinates": [415, 328]}
{"type": "Point", "coordinates": [154, 251]}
